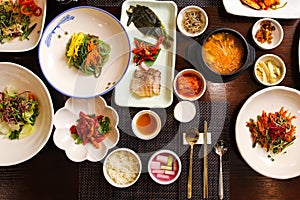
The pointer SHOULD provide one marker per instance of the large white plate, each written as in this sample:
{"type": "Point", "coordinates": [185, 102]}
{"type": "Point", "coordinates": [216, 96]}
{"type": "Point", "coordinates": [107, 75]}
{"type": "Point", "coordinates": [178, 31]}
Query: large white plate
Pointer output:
{"type": "Point", "coordinates": [285, 165]}
{"type": "Point", "coordinates": [289, 11]}
{"type": "Point", "coordinates": [17, 151]}
{"type": "Point", "coordinates": [52, 49]}
{"type": "Point", "coordinates": [166, 11]}
{"type": "Point", "coordinates": [18, 46]}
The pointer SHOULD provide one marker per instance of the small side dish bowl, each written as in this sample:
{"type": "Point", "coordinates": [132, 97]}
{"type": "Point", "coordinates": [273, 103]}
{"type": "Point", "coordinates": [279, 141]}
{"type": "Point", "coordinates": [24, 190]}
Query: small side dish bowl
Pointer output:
{"type": "Point", "coordinates": [164, 167]}
{"type": "Point", "coordinates": [192, 21]}
{"type": "Point", "coordinates": [21, 79]}
{"type": "Point", "coordinates": [267, 33]}
{"type": "Point", "coordinates": [83, 147]}
{"type": "Point", "coordinates": [189, 84]}
{"type": "Point", "coordinates": [184, 111]}
{"type": "Point", "coordinates": [146, 124]}
{"type": "Point", "coordinates": [122, 167]}
{"type": "Point", "coordinates": [269, 69]}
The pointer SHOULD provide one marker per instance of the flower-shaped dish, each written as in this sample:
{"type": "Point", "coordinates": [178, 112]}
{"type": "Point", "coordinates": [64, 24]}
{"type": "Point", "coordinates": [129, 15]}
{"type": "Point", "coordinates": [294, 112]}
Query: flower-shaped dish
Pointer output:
{"type": "Point", "coordinates": [67, 116]}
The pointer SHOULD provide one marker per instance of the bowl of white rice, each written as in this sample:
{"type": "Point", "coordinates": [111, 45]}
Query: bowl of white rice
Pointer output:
{"type": "Point", "coordinates": [122, 167]}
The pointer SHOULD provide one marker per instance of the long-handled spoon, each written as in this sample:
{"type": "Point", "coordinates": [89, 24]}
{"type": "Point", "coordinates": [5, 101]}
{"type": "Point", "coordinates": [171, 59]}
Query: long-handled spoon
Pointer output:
{"type": "Point", "coordinates": [220, 149]}
{"type": "Point", "coordinates": [191, 136]}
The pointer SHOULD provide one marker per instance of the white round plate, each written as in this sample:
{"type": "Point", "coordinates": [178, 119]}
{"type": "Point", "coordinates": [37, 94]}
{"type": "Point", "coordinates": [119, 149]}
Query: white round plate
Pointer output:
{"type": "Point", "coordinates": [67, 116]}
{"type": "Point", "coordinates": [52, 50]}
{"type": "Point", "coordinates": [285, 165]}
{"type": "Point", "coordinates": [20, 150]}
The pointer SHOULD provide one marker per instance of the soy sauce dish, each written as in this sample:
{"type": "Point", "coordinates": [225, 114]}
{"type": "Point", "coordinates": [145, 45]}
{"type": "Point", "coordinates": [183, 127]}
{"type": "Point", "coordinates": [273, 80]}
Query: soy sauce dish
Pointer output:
{"type": "Point", "coordinates": [164, 167]}
{"type": "Point", "coordinates": [222, 54]}
{"type": "Point", "coordinates": [146, 124]}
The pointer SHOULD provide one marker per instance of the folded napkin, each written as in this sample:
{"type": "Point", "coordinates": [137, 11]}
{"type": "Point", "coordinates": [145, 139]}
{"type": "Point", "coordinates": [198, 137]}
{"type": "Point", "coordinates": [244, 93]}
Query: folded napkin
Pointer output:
{"type": "Point", "coordinates": [92, 183]}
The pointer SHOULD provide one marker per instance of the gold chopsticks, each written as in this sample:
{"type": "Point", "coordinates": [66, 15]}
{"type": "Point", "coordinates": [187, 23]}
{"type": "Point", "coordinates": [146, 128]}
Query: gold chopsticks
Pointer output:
{"type": "Point", "coordinates": [205, 170]}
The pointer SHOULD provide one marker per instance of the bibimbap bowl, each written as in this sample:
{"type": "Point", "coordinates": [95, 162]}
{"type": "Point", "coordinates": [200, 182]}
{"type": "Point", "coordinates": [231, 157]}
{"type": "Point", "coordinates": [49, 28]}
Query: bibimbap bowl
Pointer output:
{"type": "Point", "coordinates": [221, 54]}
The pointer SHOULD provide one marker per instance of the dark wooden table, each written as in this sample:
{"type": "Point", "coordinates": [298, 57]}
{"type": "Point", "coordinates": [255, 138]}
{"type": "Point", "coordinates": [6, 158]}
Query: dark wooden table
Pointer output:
{"type": "Point", "coordinates": [50, 175]}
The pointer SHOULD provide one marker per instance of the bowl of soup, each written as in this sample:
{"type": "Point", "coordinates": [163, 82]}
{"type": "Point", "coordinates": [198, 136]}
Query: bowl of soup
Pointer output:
{"type": "Point", "coordinates": [222, 54]}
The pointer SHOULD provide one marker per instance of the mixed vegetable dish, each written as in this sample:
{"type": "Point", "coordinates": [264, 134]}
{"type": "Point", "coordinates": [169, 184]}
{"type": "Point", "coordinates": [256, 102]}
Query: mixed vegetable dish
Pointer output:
{"type": "Point", "coordinates": [273, 131]}
{"type": "Point", "coordinates": [18, 113]}
{"type": "Point", "coordinates": [15, 19]}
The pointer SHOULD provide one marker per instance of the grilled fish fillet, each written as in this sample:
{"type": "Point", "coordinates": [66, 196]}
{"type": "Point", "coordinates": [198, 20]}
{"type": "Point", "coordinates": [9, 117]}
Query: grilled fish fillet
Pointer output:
{"type": "Point", "coordinates": [252, 4]}
{"type": "Point", "coordinates": [146, 83]}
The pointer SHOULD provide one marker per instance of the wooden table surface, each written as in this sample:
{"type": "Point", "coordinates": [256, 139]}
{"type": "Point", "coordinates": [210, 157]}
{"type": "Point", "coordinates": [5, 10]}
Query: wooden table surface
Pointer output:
{"type": "Point", "coordinates": [50, 175]}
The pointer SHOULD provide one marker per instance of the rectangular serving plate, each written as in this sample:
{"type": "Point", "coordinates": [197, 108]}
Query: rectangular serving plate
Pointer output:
{"type": "Point", "coordinates": [166, 12]}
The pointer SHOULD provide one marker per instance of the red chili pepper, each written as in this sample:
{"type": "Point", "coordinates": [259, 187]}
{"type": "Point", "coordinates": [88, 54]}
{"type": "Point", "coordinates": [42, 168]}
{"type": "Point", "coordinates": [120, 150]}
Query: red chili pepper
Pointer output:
{"type": "Point", "coordinates": [22, 2]}
{"type": "Point", "coordinates": [25, 10]}
{"type": "Point", "coordinates": [37, 12]}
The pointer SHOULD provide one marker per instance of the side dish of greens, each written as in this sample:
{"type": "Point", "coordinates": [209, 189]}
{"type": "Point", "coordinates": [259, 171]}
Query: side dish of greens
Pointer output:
{"type": "Point", "coordinates": [87, 53]}
{"type": "Point", "coordinates": [18, 113]}
{"type": "Point", "coordinates": [15, 19]}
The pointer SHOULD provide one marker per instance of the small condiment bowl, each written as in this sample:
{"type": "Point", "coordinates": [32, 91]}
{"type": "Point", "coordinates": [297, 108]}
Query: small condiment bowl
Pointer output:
{"type": "Point", "coordinates": [146, 124]}
{"type": "Point", "coordinates": [164, 167]}
{"type": "Point", "coordinates": [277, 34]}
{"type": "Point", "coordinates": [183, 91]}
{"type": "Point", "coordinates": [266, 63]}
{"type": "Point", "coordinates": [113, 163]}
{"type": "Point", "coordinates": [181, 19]}
{"type": "Point", "coordinates": [185, 111]}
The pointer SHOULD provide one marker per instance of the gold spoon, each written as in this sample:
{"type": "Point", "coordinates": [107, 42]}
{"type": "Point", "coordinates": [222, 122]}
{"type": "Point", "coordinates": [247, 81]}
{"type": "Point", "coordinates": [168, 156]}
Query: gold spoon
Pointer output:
{"type": "Point", "coordinates": [191, 136]}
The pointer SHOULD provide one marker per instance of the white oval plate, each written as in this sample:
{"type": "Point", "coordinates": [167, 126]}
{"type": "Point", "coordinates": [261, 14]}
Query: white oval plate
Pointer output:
{"type": "Point", "coordinates": [19, 46]}
{"type": "Point", "coordinates": [67, 116]}
{"type": "Point", "coordinates": [20, 150]}
{"type": "Point", "coordinates": [289, 11]}
{"type": "Point", "coordinates": [271, 99]}
{"type": "Point", "coordinates": [52, 49]}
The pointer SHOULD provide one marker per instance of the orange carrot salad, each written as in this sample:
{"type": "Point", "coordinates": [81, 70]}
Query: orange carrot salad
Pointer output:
{"type": "Point", "coordinates": [273, 131]}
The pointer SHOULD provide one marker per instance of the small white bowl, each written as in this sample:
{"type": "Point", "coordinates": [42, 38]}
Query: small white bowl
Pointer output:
{"type": "Point", "coordinates": [166, 176]}
{"type": "Point", "coordinates": [193, 95]}
{"type": "Point", "coordinates": [278, 75]}
{"type": "Point", "coordinates": [180, 18]}
{"type": "Point", "coordinates": [184, 111]}
{"type": "Point", "coordinates": [115, 173]}
{"type": "Point", "coordinates": [277, 34]}
{"type": "Point", "coordinates": [151, 124]}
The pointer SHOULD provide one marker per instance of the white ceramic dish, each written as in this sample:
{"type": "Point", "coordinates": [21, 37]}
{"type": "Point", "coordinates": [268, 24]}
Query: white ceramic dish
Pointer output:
{"type": "Point", "coordinates": [20, 46]}
{"type": "Point", "coordinates": [202, 85]}
{"type": "Point", "coordinates": [299, 53]}
{"type": "Point", "coordinates": [184, 111]}
{"type": "Point", "coordinates": [67, 116]}
{"type": "Point", "coordinates": [154, 158]}
{"type": "Point", "coordinates": [126, 159]}
{"type": "Point", "coordinates": [277, 34]}
{"type": "Point", "coordinates": [181, 15]}
{"type": "Point", "coordinates": [20, 150]}
{"type": "Point", "coordinates": [165, 61]}
{"type": "Point", "coordinates": [271, 99]}
{"type": "Point", "coordinates": [137, 132]}
{"type": "Point", "coordinates": [52, 49]}
{"type": "Point", "coordinates": [277, 61]}
{"type": "Point", "coordinates": [289, 11]}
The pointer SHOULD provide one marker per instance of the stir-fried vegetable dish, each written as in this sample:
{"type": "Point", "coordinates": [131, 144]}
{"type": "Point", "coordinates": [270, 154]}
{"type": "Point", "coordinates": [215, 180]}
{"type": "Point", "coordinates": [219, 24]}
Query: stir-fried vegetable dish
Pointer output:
{"type": "Point", "coordinates": [18, 113]}
{"type": "Point", "coordinates": [87, 53]}
{"type": "Point", "coordinates": [273, 131]}
{"type": "Point", "coordinates": [90, 129]}
{"type": "Point", "coordinates": [15, 19]}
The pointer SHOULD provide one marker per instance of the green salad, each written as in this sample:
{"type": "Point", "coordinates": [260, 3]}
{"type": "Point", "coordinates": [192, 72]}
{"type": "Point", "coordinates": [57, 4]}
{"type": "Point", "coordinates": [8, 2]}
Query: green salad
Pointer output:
{"type": "Point", "coordinates": [87, 53]}
{"type": "Point", "coordinates": [18, 113]}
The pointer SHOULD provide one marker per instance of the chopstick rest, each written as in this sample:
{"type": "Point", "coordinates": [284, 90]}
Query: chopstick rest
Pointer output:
{"type": "Point", "coordinates": [200, 140]}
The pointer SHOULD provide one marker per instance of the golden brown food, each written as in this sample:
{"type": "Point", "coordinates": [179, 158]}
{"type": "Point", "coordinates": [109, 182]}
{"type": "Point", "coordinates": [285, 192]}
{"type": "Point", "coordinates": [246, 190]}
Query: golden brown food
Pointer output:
{"type": "Point", "coordinates": [223, 52]}
{"type": "Point", "coordinates": [262, 4]}
{"type": "Point", "coordinates": [264, 33]}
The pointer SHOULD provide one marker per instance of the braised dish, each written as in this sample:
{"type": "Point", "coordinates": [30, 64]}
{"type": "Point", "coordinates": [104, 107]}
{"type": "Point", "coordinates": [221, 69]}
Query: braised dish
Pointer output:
{"type": "Point", "coordinates": [221, 54]}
